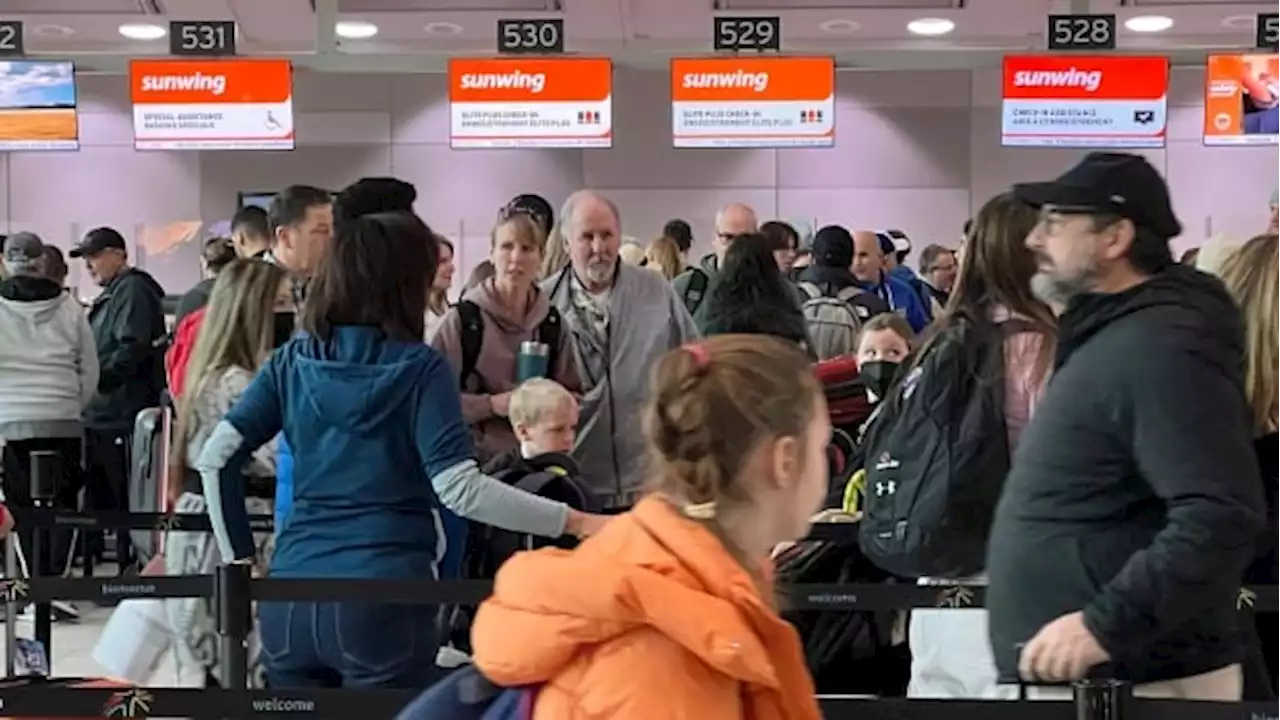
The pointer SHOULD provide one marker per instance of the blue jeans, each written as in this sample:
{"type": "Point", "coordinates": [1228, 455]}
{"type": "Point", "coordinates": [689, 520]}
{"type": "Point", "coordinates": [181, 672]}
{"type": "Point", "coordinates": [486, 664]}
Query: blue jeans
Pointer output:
{"type": "Point", "coordinates": [348, 645]}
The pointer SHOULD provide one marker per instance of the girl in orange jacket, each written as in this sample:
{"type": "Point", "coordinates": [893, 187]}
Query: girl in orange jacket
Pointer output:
{"type": "Point", "coordinates": [668, 611]}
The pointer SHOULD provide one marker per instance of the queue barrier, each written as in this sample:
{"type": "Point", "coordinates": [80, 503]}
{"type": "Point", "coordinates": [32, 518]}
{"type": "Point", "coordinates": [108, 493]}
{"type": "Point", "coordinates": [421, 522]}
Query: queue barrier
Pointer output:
{"type": "Point", "coordinates": [234, 590]}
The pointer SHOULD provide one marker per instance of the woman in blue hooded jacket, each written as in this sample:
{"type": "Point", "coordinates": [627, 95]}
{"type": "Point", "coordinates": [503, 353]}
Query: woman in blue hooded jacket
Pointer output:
{"type": "Point", "coordinates": [374, 420]}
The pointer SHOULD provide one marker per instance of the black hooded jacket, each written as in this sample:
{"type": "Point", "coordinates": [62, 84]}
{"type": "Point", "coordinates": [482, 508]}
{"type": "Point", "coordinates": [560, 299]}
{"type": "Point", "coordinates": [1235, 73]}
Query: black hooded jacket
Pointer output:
{"type": "Point", "coordinates": [128, 327]}
{"type": "Point", "coordinates": [1134, 494]}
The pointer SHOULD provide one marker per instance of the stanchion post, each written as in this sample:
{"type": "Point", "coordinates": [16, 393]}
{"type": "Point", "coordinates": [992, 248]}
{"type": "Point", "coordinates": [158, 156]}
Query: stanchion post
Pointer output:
{"type": "Point", "coordinates": [45, 470]}
{"type": "Point", "coordinates": [10, 604]}
{"type": "Point", "coordinates": [231, 596]}
{"type": "Point", "coordinates": [1101, 699]}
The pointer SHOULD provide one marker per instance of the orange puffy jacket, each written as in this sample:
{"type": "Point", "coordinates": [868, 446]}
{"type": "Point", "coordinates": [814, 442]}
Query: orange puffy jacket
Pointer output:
{"type": "Point", "coordinates": [651, 618]}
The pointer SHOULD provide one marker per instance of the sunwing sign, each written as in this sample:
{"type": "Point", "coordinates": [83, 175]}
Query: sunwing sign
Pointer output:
{"type": "Point", "coordinates": [212, 104]}
{"type": "Point", "coordinates": [753, 102]}
{"type": "Point", "coordinates": [1084, 102]}
{"type": "Point", "coordinates": [531, 103]}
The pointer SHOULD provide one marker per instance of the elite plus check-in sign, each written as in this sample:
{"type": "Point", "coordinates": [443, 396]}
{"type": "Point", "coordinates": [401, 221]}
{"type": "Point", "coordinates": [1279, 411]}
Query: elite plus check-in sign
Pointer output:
{"type": "Point", "coordinates": [1085, 102]}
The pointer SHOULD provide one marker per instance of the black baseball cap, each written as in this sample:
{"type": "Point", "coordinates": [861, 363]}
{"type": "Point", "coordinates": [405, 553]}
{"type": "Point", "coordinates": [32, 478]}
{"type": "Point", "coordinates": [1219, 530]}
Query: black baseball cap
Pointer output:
{"type": "Point", "coordinates": [833, 247]}
{"type": "Point", "coordinates": [1111, 182]}
{"type": "Point", "coordinates": [97, 240]}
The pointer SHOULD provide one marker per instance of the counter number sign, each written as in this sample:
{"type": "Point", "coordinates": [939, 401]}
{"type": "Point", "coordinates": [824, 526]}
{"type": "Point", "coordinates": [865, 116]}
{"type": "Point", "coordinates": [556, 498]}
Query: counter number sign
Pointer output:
{"type": "Point", "coordinates": [1268, 31]}
{"type": "Point", "coordinates": [538, 37]}
{"type": "Point", "coordinates": [1082, 32]}
{"type": "Point", "coordinates": [203, 38]}
{"type": "Point", "coordinates": [744, 34]}
{"type": "Point", "coordinates": [11, 38]}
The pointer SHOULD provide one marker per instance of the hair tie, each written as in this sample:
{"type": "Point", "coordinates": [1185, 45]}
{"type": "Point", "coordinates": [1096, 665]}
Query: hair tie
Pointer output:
{"type": "Point", "coordinates": [701, 355]}
{"type": "Point", "coordinates": [700, 511]}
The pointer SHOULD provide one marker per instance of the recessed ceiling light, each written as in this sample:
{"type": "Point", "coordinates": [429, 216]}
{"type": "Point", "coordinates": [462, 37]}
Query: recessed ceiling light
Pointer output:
{"type": "Point", "coordinates": [840, 26]}
{"type": "Point", "coordinates": [52, 31]}
{"type": "Point", "coordinates": [353, 30]}
{"type": "Point", "coordinates": [142, 31]}
{"type": "Point", "coordinates": [442, 28]}
{"type": "Point", "coordinates": [1149, 23]}
{"type": "Point", "coordinates": [931, 26]}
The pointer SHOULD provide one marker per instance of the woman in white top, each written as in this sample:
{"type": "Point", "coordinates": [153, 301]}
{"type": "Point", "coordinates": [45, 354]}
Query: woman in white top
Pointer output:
{"type": "Point", "coordinates": [236, 337]}
{"type": "Point", "coordinates": [438, 298]}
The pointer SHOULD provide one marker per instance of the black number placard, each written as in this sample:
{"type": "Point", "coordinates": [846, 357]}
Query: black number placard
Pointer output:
{"type": "Point", "coordinates": [740, 34]}
{"type": "Point", "coordinates": [543, 37]}
{"type": "Point", "coordinates": [1267, 31]}
{"type": "Point", "coordinates": [205, 38]}
{"type": "Point", "coordinates": [11, 38]}
{"type": "Point", "coordinates": [1082, 32]}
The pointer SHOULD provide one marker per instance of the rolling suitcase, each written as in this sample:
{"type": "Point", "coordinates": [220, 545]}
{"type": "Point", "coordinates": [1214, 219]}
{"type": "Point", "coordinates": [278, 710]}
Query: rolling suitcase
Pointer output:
{"type": "Point", "coordinates": [148, 474]}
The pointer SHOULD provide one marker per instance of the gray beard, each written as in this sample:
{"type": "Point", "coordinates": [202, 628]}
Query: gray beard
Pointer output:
{"type": "Point", "coordinates": [1059, 291]}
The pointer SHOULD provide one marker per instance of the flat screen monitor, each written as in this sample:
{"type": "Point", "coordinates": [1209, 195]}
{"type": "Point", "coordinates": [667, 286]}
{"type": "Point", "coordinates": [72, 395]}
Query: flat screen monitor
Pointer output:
{"type": "Point", "coordinates": [1242, 99]}
{"type": "Point", "coordinates": [38, 106]}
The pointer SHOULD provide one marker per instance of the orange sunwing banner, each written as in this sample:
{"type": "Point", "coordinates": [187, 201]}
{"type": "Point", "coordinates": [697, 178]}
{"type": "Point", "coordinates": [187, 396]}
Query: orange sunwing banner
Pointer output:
{"type": "Point", "coordinates": [1099, 101]}
{"type": "Point", "coordinates": [530, 102]}
{"type": "Point", "coordinates": [223, 104]}
{"type": "Point", "coordinates": [1241, 99]}
{"type": "Point", "coordinates": [753, 102]}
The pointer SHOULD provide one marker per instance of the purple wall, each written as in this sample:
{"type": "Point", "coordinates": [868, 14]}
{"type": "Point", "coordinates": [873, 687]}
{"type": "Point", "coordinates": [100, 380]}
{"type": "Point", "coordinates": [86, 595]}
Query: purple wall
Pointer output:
{"type": "Point", "coordinates": [916, 150]}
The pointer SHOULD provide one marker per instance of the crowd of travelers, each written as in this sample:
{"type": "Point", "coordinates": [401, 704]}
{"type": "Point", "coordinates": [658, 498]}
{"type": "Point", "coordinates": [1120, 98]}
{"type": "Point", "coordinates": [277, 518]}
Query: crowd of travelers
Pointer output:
{"type": "Point", "coordinates": [1057, 411]}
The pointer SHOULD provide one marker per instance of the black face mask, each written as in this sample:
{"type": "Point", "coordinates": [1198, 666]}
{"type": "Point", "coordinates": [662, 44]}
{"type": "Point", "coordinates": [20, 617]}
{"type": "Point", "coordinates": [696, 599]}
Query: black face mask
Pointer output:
{"type": "Point", "coordinates": [282, 328]}
{"type": "Point", "coordinates": [878, 376]}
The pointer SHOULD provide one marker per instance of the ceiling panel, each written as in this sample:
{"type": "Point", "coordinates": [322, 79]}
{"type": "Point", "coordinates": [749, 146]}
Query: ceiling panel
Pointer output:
{"type": "Point", "coordinates": [1172, 3]}
{"type": "Point", "coordinates": [52, 7]}
{"type": "Point", "coordinates": [838, 4]}
{"type": "Point", "coordinates": [374, 6]}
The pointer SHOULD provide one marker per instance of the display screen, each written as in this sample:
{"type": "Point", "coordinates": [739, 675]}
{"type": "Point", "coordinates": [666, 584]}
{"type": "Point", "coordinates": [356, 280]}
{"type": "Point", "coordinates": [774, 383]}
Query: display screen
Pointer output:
{"type": "Point", "coordinates": [241, 104]}
{"type": "Point", "coordinates": [1242, 99]}
{"type": "Point", "coordinates": [531, 103]}
{"type": "Point", "coordinates": [753, 102]}
{"type": "Point", "coordinates": [1111, 101]}
{"type": "Point", "coordinates": [38, 106]}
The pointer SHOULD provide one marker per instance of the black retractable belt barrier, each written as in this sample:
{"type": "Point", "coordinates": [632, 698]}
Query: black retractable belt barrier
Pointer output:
{"type": "Point", "coordinates": [46, 468]}
{"type": "Point", "coordinates": [235, 619]}
{"type": "Point", "coordinates": [1101, 699]}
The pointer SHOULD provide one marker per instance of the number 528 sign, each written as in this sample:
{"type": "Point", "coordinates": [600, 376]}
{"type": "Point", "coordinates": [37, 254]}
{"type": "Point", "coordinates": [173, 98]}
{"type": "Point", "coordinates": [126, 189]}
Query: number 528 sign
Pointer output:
{"type": "Point", "coordinates": [1082, 32]}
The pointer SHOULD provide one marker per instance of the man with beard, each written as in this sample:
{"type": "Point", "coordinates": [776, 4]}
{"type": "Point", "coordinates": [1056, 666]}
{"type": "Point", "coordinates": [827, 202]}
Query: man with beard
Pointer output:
{"type": "Point", "coordinates": [623, 318]}
{"type": "Point", "coordinates": [1133, 501]}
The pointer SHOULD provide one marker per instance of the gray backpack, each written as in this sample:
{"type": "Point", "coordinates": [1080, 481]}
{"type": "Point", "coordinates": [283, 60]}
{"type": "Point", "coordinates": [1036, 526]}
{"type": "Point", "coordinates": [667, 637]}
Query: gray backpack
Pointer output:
{"type": "Point", "coordinates": [832, 320]}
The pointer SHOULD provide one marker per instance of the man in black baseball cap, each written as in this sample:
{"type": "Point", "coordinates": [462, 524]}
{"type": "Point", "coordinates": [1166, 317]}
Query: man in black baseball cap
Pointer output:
{"type": "Point", "coordinates": [1133, 503]}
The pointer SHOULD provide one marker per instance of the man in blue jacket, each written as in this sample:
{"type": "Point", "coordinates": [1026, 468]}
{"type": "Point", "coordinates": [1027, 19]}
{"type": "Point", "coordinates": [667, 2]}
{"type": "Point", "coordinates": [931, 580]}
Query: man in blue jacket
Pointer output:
{"type": "Point", "coordinates": [869, 270]}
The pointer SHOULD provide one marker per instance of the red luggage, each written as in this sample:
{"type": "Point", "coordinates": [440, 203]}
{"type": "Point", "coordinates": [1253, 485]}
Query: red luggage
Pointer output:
{"type": "Point", "coordinates": [847, 404]}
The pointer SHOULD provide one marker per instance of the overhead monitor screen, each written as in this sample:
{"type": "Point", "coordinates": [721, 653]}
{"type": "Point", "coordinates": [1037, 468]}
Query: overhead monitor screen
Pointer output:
{"type": "Point", "coordinates": [1066, 101]}
{"type": "Point", "coordinates": [38, 106]}
{"type": "Point", "coordinates": [223, 104]}
{"type": "Point", "coordinates": [531, 103]}
{"type": "Point", "coordinates": [753, 102]}
{"type": "Point", "coordinates": [1242, 99]}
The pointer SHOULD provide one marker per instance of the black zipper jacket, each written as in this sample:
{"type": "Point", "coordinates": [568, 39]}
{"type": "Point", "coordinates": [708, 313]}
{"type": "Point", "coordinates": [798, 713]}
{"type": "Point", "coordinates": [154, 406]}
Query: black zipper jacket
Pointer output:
{"type": "Point", "coordinates": [128, 327]}
{"type": "Point", "coordinates": [1134, 493]}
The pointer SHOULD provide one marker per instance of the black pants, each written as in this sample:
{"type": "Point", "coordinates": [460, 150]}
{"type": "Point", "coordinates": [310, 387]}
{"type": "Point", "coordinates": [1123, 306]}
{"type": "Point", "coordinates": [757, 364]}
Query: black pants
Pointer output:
{"type": "Point", "coordinates": [107, 460]}
{"type": "Point", "coordinates": [56, 548]}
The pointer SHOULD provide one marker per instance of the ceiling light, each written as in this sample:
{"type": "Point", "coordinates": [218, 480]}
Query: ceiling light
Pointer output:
{"type": "Point", "coordinates": [840, 26]}
{"type": "Point", "coordinates": [442, 28]}
{"type": "Point", "coordinates": [355, 30]}
{"type": "Point", "coordinates": [1149, 23]}
{"type": "Point", "coordinates": [142, 31]}
{"type": "Point", "coordinates": [931, 26]}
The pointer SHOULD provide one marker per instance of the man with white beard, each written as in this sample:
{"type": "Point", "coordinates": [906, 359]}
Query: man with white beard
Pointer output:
{"type": "Point", "coordinates": [623, 318]}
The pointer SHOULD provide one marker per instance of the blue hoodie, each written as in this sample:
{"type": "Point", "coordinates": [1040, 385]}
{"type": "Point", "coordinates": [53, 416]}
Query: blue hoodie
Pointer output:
{"type": "Point", "coordinates": [902, 298]}
{"type": "Point", "coordinates": [357, 408]}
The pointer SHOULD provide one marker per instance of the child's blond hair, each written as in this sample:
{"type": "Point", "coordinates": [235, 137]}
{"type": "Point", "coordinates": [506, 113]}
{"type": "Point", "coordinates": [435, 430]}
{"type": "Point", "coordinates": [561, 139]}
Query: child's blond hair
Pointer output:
{"type": "Point", "coordinates": [534, 399]}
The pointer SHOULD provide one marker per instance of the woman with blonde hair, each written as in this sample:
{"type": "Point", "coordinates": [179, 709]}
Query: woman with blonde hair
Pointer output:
{"type": "Point", "coordinates": [555, 255]}
{"type": "Point", "coordinates": [663, 255]}
{"type": "Point", "coordinates": [237, 336]}
{"type": "Point", "coordinates": [1252, 276]}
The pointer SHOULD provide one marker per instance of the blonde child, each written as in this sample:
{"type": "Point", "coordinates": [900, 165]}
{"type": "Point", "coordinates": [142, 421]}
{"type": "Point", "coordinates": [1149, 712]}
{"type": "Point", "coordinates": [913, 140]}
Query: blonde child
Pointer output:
{"type": "Point", "coordinates": [544, 418]}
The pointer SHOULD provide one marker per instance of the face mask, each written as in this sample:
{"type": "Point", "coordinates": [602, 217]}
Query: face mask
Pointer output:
{"type": "Point", "coordinates": [282, 328]}
{"type": "Point", "coordinates": [878, 376]}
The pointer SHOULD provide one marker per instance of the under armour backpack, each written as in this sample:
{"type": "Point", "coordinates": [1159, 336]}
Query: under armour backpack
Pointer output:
{"type": "Point", "coordinates": [832, 319]}
{"type": "Point", "coordinates": [936, 453]}
{"type": "Point", "coordinates": [472, 341]}
{"type": "Point", "coordinates": [465, 694]}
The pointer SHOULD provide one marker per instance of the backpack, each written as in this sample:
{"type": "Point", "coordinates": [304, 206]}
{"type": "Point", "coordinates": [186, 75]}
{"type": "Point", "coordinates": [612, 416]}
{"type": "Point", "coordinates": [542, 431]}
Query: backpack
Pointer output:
{"type": "Point", "coordinates": [696, 291]}
{"type": "Point", "coordinates": [833, 320]}
{"type": "Point", "coordinates": [936, 454]}
{"type": "Point", "coordinates": [465, 694]}
{"type": "Point", "coordinates": [548, 333]}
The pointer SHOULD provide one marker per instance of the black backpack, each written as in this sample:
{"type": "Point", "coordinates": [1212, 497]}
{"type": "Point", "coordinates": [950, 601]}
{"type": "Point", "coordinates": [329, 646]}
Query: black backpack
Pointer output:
{"type": "Point", "coordinates": [548, 332]}
{"type": "Point", "coordinates": [936, 454]}
{"type": "Point", "coordinates": [696, 291]}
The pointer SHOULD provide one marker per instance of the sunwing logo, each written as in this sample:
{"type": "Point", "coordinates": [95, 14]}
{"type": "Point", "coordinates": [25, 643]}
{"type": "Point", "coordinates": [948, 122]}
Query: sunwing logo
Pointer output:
{"type": "Point", "coordinates": [212, 84]}
{"type": "Point", "coordinates": [1088, 80]}
{"type": "Point", "coordinates": [756, 81]}
{"type": "Point", "coordinates": [533, 82]}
